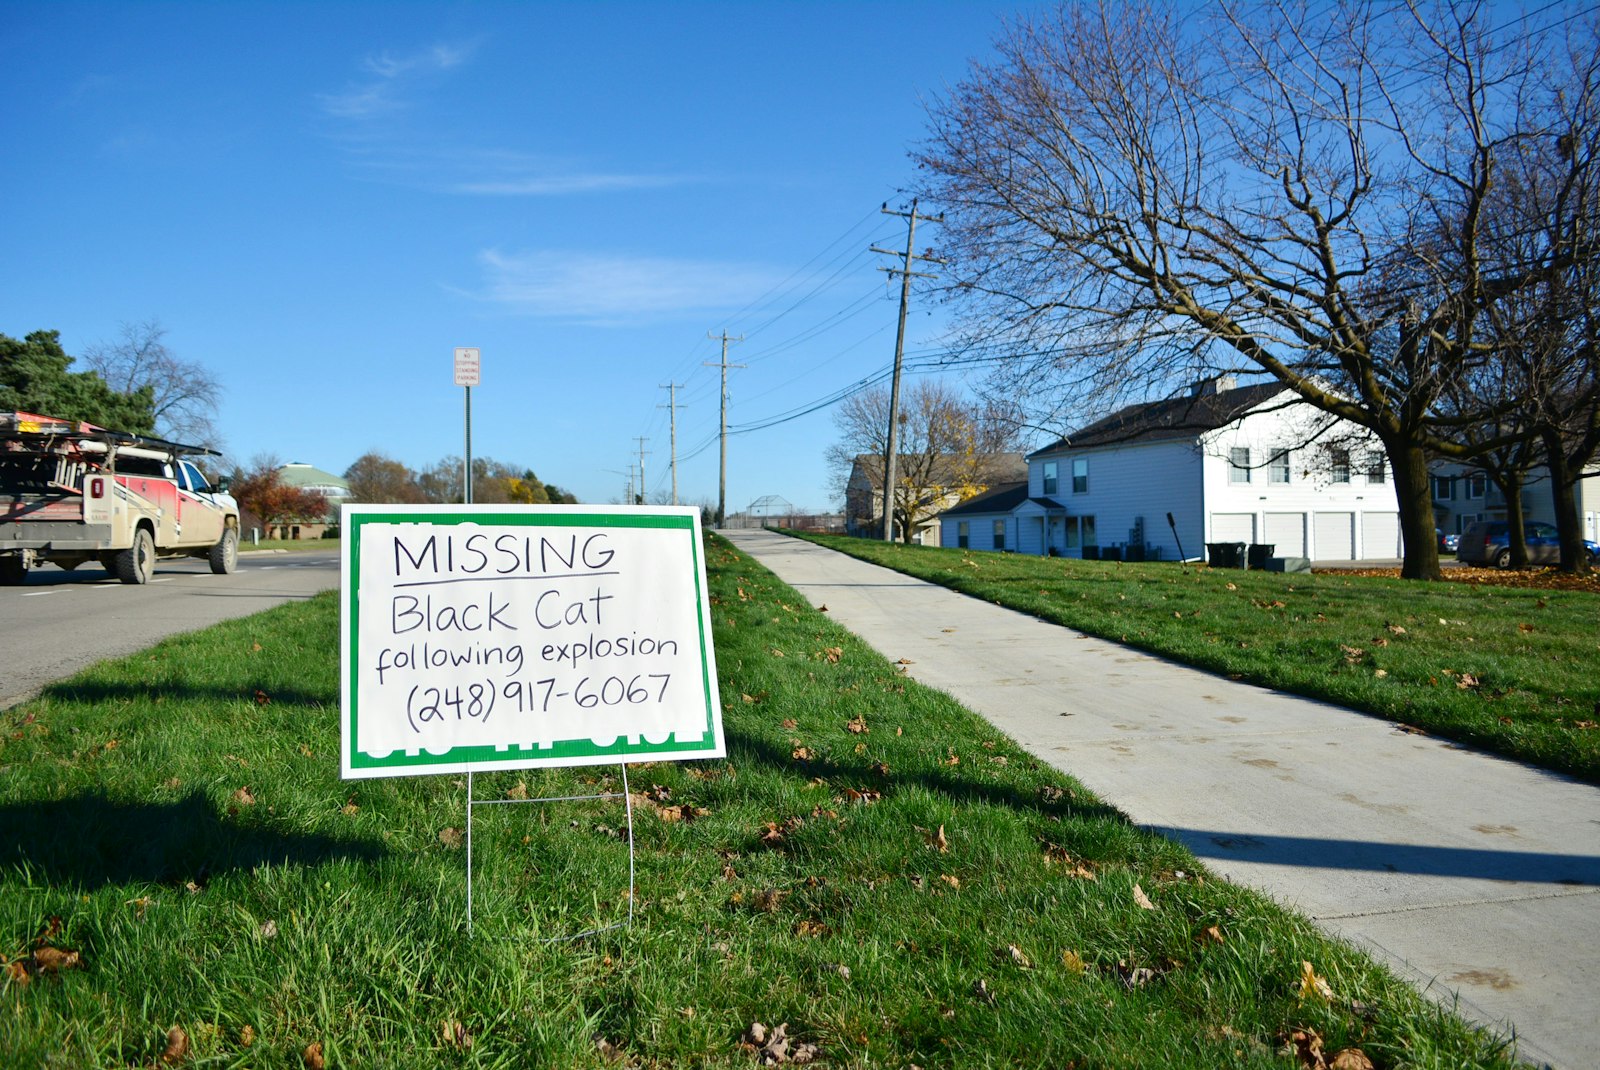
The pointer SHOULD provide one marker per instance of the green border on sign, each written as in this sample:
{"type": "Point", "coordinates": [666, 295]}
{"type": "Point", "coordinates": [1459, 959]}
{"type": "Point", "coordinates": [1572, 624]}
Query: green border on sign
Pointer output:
{"type": "Point", "coordinates": [565, 752]}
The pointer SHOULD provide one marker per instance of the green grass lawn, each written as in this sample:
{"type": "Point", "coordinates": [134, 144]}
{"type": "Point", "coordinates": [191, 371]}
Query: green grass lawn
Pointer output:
{"type": "Point", "coordinates": [184, 880]}
{"type": "Point", "coordinates": [296, 545]}
{"type": "Point", "coordinates": [1512, 670]}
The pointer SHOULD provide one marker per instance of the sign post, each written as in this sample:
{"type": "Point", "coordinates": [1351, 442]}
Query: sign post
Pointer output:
{"type": "Point", "coordinates": [520, 637]}
{"type": "Point", "coordinates": [467, 374]}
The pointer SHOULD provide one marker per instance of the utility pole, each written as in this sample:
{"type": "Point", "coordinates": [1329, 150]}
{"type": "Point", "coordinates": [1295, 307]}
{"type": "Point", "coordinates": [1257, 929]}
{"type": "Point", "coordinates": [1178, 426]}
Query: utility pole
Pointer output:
{"type": "Point", "coordinates": [629, 498]}
{"type": "Point", "coordinates": [891, 455]}
{"type": "Point", "coordinates": [722, 477]}
{"type": "Point", "coordinates": [672, 414]}
{"type": "Point", "coordinates": [642, 453]}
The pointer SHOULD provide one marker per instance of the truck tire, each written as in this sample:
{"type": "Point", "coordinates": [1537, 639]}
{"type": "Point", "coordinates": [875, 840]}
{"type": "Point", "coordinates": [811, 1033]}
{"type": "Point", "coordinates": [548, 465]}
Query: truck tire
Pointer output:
{"type": "Point", "coordinates": [225, 554]}
{"type": "Point", "coordinates": [137, 562]}
{"type": "Point", "coordinates": [13, 570]}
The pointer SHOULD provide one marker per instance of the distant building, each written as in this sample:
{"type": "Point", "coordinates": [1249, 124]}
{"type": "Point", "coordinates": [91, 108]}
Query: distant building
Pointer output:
{"type": "Point", "coordinates": [945, 480]}
{"type": "Point", "coordinates": [308, 478]}
{"type": "Point", "coordinates": [1250, 464]}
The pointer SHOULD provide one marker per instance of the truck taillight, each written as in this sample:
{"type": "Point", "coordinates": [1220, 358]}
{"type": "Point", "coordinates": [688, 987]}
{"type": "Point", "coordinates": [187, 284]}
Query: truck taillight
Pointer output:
{"type": "Point", "coordinates": [97, 487]}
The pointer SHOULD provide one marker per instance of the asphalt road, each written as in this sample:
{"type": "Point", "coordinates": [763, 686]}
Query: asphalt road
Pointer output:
{"type": "Point", "coordinates": [60, 622]}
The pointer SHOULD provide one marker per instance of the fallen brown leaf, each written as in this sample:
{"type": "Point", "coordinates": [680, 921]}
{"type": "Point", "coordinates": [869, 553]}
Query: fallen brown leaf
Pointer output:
{"type": "Point", "coordinates": [450, 837]}
{"type": "Point", "coordinates": [518, 791]}
{"type": "Point", "coordinates": [1142, 899]}
{"type": "Point", "coordinates": [54, 960]}
{"type": "Point", "coordinates": [1017, 957]}
{"type": "Point", "coordinates": [456, 1035]}
{"type": "Point", "coordinates": [1313, 985]}
{"type": "Point", "coordinates": [858, 725]}
{"type": "Point", "coordinates": [243, 797]}
{"type": "Point", "coordinates": [1350, 1059]}
{"type": "Point", "coordinates": [247, 1036]}
{"type": "Point", "coordinates": [312, 1056]}
{"type": "Point", "coordinates": [177, 1049]}
{"type": "Point", "coordinates": [1308, 1049]}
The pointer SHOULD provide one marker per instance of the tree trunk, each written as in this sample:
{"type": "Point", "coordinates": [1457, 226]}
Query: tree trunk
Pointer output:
{"type": "Point", "coordinates": [1569, 528]}
{"type": "Point", "coordinates": [1414, 493]}
{"type": "Point", "coordinates": [1516, 529]}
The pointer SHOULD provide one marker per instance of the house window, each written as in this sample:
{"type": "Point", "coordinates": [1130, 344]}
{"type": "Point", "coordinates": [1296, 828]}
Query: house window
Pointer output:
{"type": "Point", "coordinates": [1073, 541]}
{"type": "Point", "coordinates": [1239, 464]}
{"type": "Point", "coordinates": [1477, 485]}
{"type": "Point", "coordinates": [1444, 488]}
{"type": "Point", "coordinates": [1278, 467]}
{"type": "Point", "coordinates": [1089, 537]}
{"type": "Point", "coordinates": [1341, 465]}
{"type": "Point", "coordinates": [961, 534]}
{"type": "Point", "coordinates": [1080, 475]}
{"type": "Point", "coordinates": [1049, 477]}
{"type": "Point", "coordinates": [1376, 471]}
{"type": "Point", "coordinates": [999, 534]}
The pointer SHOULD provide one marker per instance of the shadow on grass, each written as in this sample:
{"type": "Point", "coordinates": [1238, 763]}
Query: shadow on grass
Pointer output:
{"type": "Point", "coordinates": [91, 841]}
{"type": "Point", "coordinates": [95, 692]}
{"type": "Point", "coordinates": [860, 775]}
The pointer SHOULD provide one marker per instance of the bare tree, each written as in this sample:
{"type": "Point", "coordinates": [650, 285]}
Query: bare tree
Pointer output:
{"type": "Point", "coordinates": [948, 447]}
{"type": "Point", "coordinates": [1136, 197]}
{"type": "Point", "coordinates": [378, 478]}
{"type": "Point", "coordinates": [186, 393]}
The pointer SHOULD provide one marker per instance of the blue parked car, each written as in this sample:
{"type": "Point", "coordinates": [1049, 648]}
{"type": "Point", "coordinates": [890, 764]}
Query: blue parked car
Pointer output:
{"type": "Point", "coordinates": [1487, 543]}
{"type": "Point", "coordinates": [1448, 543]}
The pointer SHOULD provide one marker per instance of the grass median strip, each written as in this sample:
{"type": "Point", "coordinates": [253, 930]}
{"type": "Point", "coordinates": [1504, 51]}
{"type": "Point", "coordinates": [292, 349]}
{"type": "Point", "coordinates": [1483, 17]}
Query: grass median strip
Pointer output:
{"type": "Point", "coordinates": [1512, 670]}
{"type": "Point", "coordinates": [184, 879]}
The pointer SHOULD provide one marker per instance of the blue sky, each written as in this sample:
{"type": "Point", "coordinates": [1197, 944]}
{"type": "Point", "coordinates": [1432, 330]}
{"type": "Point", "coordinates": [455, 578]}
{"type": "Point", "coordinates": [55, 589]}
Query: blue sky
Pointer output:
{"type": "Point", "coordinates": [319, 201]}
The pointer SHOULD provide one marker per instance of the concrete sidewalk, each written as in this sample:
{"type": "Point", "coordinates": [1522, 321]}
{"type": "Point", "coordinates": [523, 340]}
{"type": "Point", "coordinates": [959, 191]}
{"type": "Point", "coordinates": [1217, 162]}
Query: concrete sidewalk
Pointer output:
{"type": "Point", "coordinates": [1473, 875]}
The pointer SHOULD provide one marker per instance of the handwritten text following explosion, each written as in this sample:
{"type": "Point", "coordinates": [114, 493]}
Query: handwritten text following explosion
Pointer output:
{"type": "Point", "coordinates": [514, 637]}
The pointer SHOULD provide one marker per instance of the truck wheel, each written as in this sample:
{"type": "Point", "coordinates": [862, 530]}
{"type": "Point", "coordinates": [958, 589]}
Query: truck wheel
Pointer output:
{"type": "Point", "coordinates": [137, 562]}
{"type": "Point", "coordinates": [1503, 558]}
{"type": "Point", "coordinates": [13, 570]}
{"type": "Point", "coordinates": [225, 554]}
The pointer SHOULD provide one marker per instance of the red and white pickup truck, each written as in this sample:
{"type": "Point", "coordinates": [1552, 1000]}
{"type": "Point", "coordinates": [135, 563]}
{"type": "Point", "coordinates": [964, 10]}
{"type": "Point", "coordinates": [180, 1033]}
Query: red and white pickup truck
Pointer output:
{"type": "Point", "coordinates": [71, 492]}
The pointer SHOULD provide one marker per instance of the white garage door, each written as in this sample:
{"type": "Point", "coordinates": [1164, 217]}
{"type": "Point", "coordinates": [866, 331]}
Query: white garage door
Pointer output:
{"type": "Point", "coordinates": [1380, 535]}
{"type": "Point", "coordinates": [1335, 537]}
{"type": "Point", "coordinates": [1233, 527]}
{"type": "Point", "coordinates": [1287, 534]}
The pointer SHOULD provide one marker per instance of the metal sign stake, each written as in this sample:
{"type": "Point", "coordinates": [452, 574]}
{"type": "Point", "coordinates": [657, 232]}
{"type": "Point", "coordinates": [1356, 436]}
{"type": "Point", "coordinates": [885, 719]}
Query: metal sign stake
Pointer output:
{"type": "Point", "coordinates": [627, 801]}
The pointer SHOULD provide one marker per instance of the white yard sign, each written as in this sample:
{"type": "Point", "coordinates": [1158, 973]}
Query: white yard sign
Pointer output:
{"type": "Point", "coordinates": [509, 637]}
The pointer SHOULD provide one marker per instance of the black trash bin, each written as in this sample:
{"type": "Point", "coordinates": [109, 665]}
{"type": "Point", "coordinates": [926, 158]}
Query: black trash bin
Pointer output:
{"type": "Point", "coordinates": [1111, 553]}
{"type": "Point", "coordinates": [1225, 554]}
{"type": "Point", "coordinates": [1260, 552]}
{"type": "Point", "coordinates": [1091, 553]}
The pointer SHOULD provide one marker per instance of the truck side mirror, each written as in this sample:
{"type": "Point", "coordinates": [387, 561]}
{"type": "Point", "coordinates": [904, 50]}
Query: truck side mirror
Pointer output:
{"type": "Point", "coordinates": [223, 484]}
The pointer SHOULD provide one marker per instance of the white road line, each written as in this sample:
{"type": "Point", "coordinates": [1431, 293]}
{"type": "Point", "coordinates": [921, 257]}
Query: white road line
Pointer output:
{"type": "Point", "coordinates": [164, 579]}
{"type": "Point", "coordinates": [36, 594]}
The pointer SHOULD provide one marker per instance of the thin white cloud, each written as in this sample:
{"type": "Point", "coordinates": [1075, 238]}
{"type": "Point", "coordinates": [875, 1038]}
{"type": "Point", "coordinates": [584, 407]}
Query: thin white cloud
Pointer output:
{"type": "Point", "coordinates": [390, 79]}
{"type": "Point", "coordinates": [617, 290]}
{"type": "Point", "coordinates": [384, 132]}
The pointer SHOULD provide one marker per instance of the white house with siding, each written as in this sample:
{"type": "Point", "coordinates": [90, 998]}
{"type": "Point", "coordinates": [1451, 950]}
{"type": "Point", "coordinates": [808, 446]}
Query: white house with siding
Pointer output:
{"type": "Point", "coordinates": [1251, 464]}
